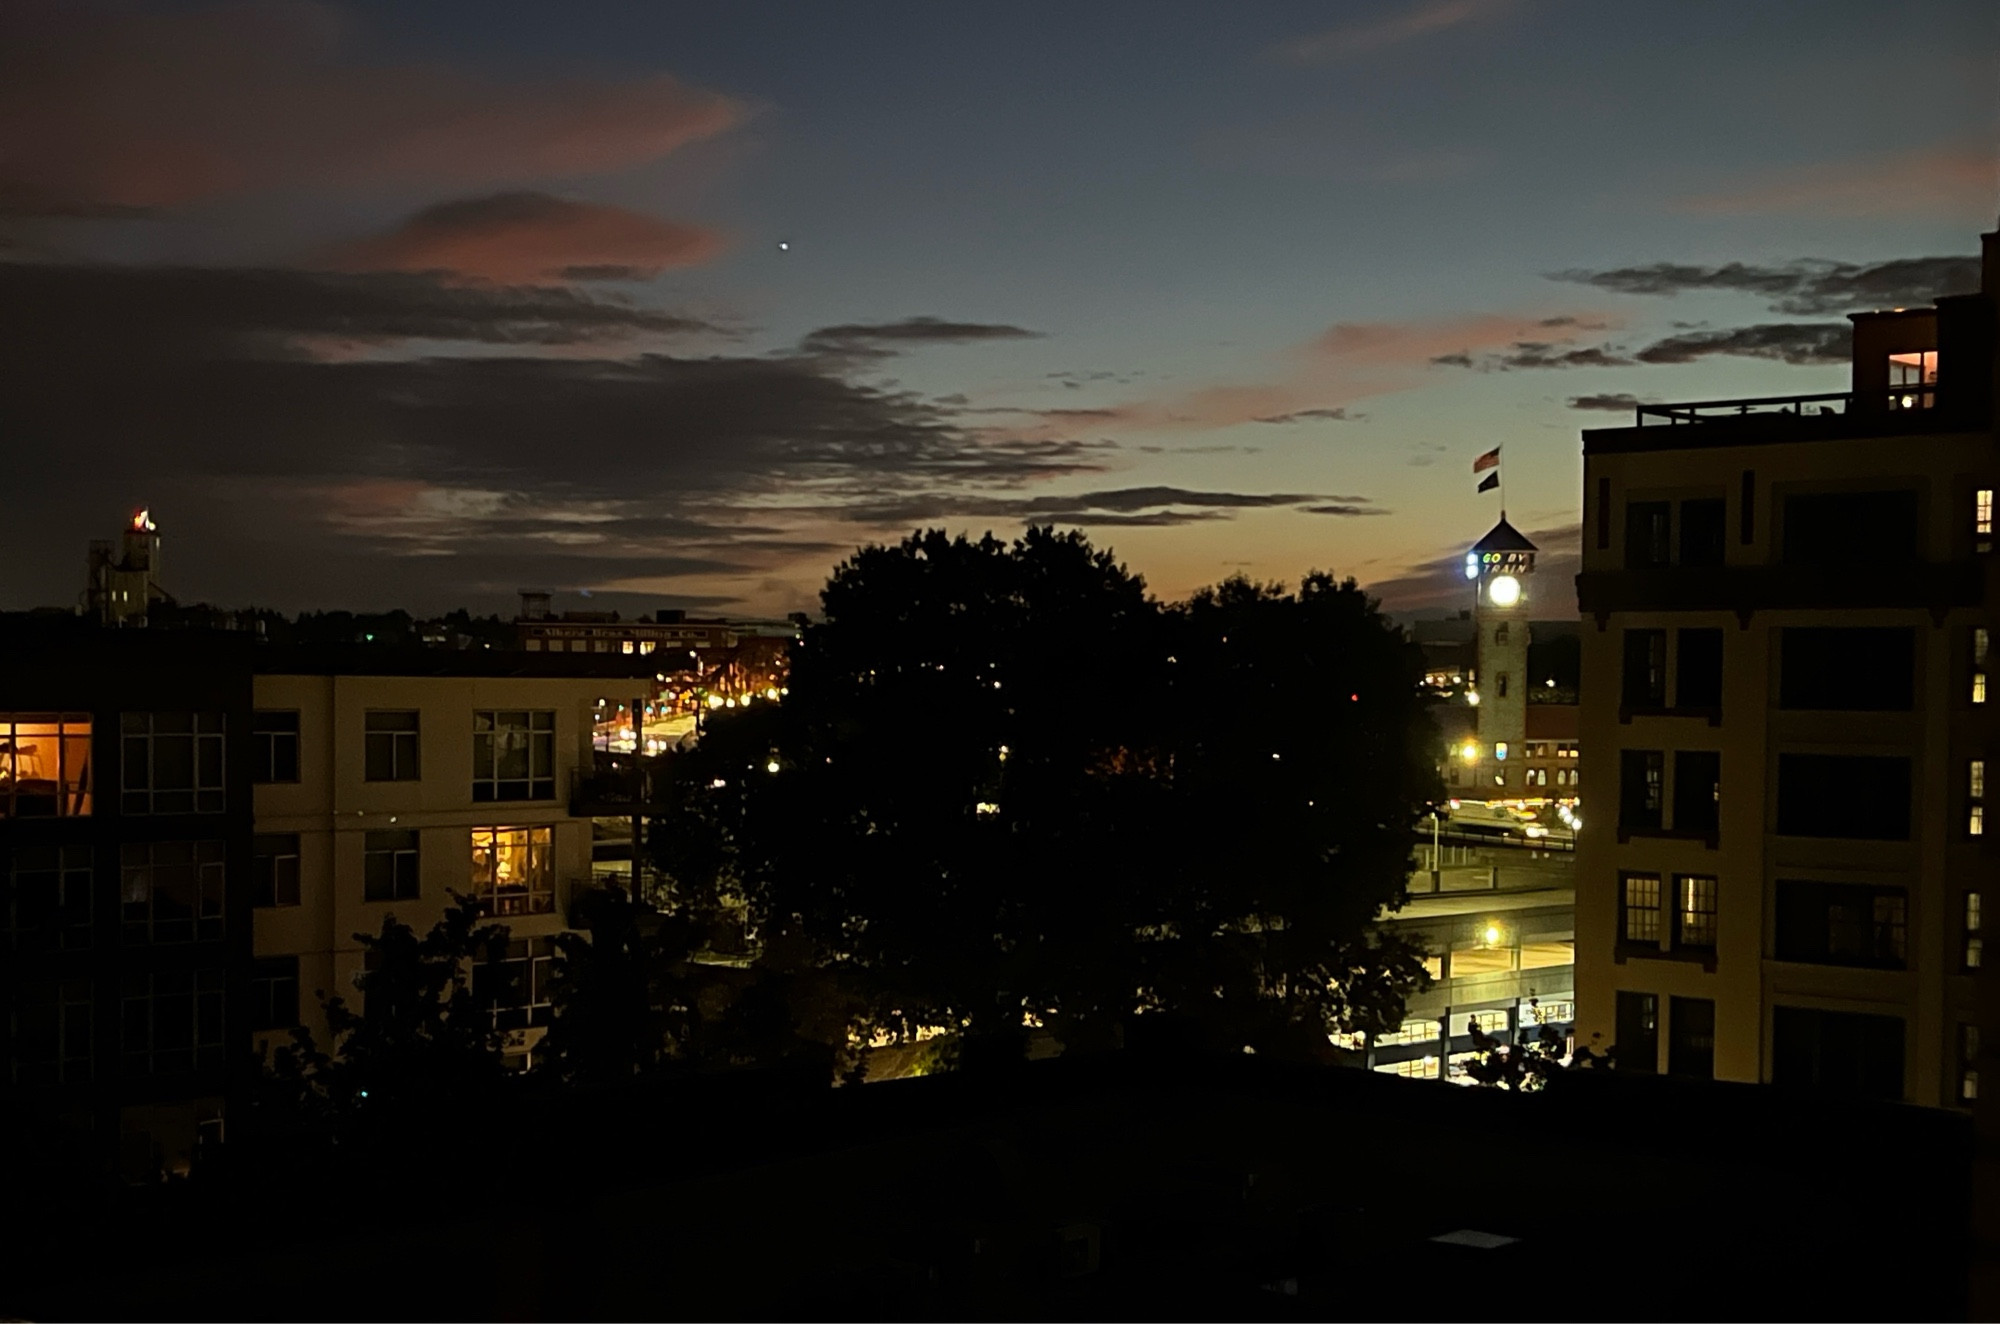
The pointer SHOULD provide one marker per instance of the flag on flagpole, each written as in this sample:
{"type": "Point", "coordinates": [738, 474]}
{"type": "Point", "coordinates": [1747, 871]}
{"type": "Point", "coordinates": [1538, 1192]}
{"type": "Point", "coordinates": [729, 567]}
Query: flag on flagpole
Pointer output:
{"type": "Point", "coordinates": [1492, 481]}
{"type": "Point", "coordinates": [1486, 461]}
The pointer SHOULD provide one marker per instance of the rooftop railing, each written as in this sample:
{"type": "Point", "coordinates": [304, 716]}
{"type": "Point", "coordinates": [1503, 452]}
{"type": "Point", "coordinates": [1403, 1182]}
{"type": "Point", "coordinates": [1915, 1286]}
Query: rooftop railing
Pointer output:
{"type": "Point", "coordinates": [1897, 399]}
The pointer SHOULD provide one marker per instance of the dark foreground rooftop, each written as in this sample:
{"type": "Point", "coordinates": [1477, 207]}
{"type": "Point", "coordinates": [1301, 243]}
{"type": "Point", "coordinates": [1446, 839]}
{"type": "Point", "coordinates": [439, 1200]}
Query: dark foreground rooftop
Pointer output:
{"type": "Point", "coordinates": [1122, 1186]}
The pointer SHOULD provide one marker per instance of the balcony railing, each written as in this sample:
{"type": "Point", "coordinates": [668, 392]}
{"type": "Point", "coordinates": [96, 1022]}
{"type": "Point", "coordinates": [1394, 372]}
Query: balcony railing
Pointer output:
{"type": "Point", "coordinates": [1899, 399]}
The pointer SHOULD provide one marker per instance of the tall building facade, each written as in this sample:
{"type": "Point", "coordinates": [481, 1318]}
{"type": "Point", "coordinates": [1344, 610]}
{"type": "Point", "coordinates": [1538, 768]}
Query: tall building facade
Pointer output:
{"type": "Point", "coordinates": [1784, 686]}
{"type": "Point", "coordinates": [194, 826]}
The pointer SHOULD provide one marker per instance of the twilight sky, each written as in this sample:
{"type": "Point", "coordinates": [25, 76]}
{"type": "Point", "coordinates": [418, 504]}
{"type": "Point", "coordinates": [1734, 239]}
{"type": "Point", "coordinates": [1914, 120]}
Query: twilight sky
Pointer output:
{"type": "Point", "coordinates": [388, 304]}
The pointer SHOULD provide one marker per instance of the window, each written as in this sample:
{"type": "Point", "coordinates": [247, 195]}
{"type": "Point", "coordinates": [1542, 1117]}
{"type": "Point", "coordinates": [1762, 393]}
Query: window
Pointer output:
{"type": "Point", "coordinates": [172, 763]}
{"type": "Point", "coordinates": [53, 1043]}
{"type": "Point", "coordinates": [1701, 532]}
{"type": "Point", "coordinates": [1857, 797]}
{"type": "Point", "coordinates": [1501, 679]}
{"type": "Point", "coordinates": [274, 746]}
{"type": "Point", "coordinates": [1639, 907]}
{"type": "Point", "coordinates": [1698, 678]}
{"type": "Point", "coordinates": [274, 993]}
{"type": "Point", "coordinates": [1417, 1068]}
{"type": "Point", "coordinates": [1842, 924]}
{"type": "Point", "coordinates": [1500, 750]}
{"type": "Point", "coordinates": [1847, 669]}
{"type": "Point", "coordinates": [171, 891]}
{"type": "Point", "coordinates": [1975, 797]}
{"type": "Point", "coordinates": [391, 745]}
{"type": "Point", "coordinates": [48, 898]}
{"type": "Point", "coordinates": [274, 863]}
{"type": "Point", "coordinates": [391, 866]}
{"type": "Point", "coordinates": [1837, 1051]}
{"type": "Point", "coordinates": [512, 984]}
{"type": "Point", "coordinates": [1982, 520]}
{"type": "Point", "coordinates": [512, 870]}
{"type": "Point", "coordinates": [1639, 775]}
{"type": "Point", "coordinates": [1645, 669]}
{"type": "Point", "coordinates": [1697, 792]}
{"type": "Point", "coordinates": [1638, 1042]}
{"type": "Point", "coordinates": [1850, 530]}
{"type": "Point", "coordinates": [44, 765]}
{"type": "Point", "coordinates": [1968, 1063]}
{"type": "Point", "coordinates": [172, 1021]}
{"type": "Point", "coordinates": [1913, 379]}
{"type": "Point", "coordinates": [1500, 633]}
{"type": "Point", "coordinates": [1603, 514]}
{"type": "Point", "coordinates": [1979, 641]}
{"type": "Point", "coordinates": [1694, 911]}
{"type": "Point", "coordinates": [513, 756]}
{"type": "Point", "coordinates": [1746, 508]}
{"type": "Point", "coordinates": [1973, 951]}
{"type": "Point", "coordinates": [1535, 777]}
{"type": "Point", "coordinates": [1410, 1032]}
{"type": "Point", "coordinates": [1691, 1037]}
{"type": "Point", "coordinates": [1648, 540]}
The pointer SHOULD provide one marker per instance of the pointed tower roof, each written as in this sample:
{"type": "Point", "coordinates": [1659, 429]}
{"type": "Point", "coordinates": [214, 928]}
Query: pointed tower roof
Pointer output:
{"type": "Point", "coordinates": [1504, 537]}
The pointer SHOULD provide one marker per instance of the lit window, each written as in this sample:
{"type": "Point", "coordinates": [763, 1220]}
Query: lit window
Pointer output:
{"type": "Point", "coordinates": [629, 646]}
{"type": "Point", "coordinates": [1694, 915]}
{"type": "Point", "coordinates": [1979, 646]}
{"type": "Point", "coordinates": [1974, 952]}
{"type": "Point", "coordinates": [1500, 749]}
{"type": "Point", "coordinates": [44, 765]}
{"type": "Point", "coordinates": [1975, 796]}
{"type": "Point", "coordinates": [1913, 379]}
{"type": "Point", "coordinates": [1982, 520]}
{"type": "Point", "coordinates": [1641, 908]}
{"type": "Point", "coordinates": [513, 870]}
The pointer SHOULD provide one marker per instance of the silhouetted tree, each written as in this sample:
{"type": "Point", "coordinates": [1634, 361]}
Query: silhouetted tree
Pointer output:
{"type": "Point", "coordinates": [421, 1039]}
{"type": "Point", "coordinates": [1011, 788]}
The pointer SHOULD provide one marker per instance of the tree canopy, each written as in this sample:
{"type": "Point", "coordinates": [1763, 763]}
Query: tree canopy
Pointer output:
{"type": "Point", "coordinates": [1007, 788]}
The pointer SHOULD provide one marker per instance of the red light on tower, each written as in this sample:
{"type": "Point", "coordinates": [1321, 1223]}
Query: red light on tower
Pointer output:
{"type": "Point", "coordinates": [142, 522]}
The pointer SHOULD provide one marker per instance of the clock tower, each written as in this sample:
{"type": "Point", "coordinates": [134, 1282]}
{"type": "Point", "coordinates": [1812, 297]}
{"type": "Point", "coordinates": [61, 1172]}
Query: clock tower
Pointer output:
{"type": "Point", "coordinates": [1501, 568]}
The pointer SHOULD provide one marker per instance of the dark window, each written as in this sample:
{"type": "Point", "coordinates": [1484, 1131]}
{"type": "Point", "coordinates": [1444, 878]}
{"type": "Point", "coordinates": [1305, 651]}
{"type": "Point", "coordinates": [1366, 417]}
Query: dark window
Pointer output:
{"type": "Point", "coordinates": [1850, 529]}
{"type": "Point", "coordinates": [171, 891]}
{"type": "Point", "coordinates": [1694, 911]}
{"type": "Point", "coordinates": [171, 763]}
{"type": "Point", "coordinates": [172, 1021]}
{"type": "Point", "coordinates": [1639, 772]}
{"type": "Point", "coordinates": [392, 740]}
{"type": "Point", "coordinates": [1861, 669]}
{"type": "Point", "coordinates": [53, 1042]}
{"type": "Point", "coordinates": [1697, 791]}
{"type": "Point", "coordinates": [1500, 633]}
{"type": "Point", "coordinates": [274, 860]}
{"type": "Point", "coordinates": [1968, 1063]}
{"type": "Point", "coordinates": [1698, 678]}
{"type": "Point", "coordinates": [48, 898]}
{"type": "Point", "coordinates": [513, 755]}
{"type": "Point", "coordinates": [1645, 669]}
{"type": "Point", "coordinates": [1639, 909]}
{"type": "Point", "coordinates": [274, 747]}
{"type": "Point", "coordinates": [274, 993]}
{"type": "Point", "coordinates": [1746, 530]}
{"type": "Point", "coordinates": [1603, 514]}
{"type": "Point", "coordinates": [1500, 685]}
{"type": "Point", "coordinates": [513, 984]}
{"type": "Point", "coordinates": [1858, 797]}
{"type": "Point", "coordinates": [1701, 532]}
{"type": "Point", "coordinates": [1837, 1051]}
{"type": "Point", "coordinates": [1648, 535]}
{"type": "Point", "coordinates": [1842, 924]}
{"type": "Point", "coordinates": [1691, 1037]}
{"type": "Point", "coordinates": [390, 863]}
{"type": "Point", "coordinates": [1638, 1044]}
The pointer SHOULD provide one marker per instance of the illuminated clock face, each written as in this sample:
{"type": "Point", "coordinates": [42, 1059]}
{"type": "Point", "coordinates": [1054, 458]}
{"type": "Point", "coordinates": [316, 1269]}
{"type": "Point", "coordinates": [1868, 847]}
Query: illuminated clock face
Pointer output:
{"type": "Point", "coordinates": [1504, 590]}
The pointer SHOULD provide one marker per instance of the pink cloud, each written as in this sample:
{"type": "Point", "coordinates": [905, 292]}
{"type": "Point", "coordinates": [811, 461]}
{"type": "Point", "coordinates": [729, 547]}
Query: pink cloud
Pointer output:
{"type": "Point", "coordinates": [1943, 181]}
{"type": "Point", "coordinates": [530, 238]}
{"type": "Point", "coordinates": [106, 107]}
{"type": "Point", "coordinates": [1414, 344]}
{"type": "Point", "coordinates": [1408, 24]}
